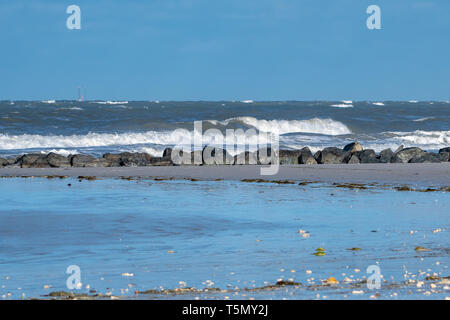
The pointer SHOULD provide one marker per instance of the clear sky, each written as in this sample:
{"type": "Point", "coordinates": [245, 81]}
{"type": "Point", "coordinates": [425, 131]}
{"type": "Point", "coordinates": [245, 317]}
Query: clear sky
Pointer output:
{"type": "Point", "coordinates": [225, 50]}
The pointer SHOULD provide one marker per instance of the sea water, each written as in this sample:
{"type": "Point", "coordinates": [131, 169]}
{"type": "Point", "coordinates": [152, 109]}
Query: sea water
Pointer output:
{"type": "Point", "coordinates": [97, 127]}
{"type": "Point", "coordinates": [131, 236]}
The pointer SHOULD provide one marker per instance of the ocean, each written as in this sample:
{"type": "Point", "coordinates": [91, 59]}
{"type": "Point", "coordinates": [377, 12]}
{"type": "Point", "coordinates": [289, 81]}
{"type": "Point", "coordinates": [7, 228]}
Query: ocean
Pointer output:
{"type": "Point", "coordinates": [228, 239]}
{"type": "Point", "coordinates": [97, 127]}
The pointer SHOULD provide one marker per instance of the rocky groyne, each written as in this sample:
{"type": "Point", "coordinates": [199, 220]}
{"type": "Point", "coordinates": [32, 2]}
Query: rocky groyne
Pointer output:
{"type": "Point", "coordinates": [352, 153]}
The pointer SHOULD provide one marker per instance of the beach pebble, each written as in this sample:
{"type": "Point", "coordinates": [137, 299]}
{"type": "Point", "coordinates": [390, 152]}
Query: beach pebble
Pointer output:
{"type": "Point", "coordinates": [331, 280]}
{"type": "Point", "coordinates": [305, 235]}
{"type": "Point", "coordinates": [126, 274]}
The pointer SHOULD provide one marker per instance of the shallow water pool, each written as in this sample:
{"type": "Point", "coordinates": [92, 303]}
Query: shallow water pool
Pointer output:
{"type": "Point", "coordinates": [131, 236]}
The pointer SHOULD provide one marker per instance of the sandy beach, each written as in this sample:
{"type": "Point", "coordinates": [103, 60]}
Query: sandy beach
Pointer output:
{"type": "Point", "coordinates": [424, 174]}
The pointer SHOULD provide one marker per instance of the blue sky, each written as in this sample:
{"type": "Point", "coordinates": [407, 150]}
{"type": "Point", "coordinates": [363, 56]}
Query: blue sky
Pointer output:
{"type": "Point", "coordinates": [225, 50]}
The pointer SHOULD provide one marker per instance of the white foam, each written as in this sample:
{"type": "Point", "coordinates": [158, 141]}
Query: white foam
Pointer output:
{"type": "Point", "coordinates": [62, 152]}
{"type": "Point", "coordinates": [342, 105]}
{"type": "Point", "coordinates": [315, 125]}
{"type": "Point", "coordinates": [424, 119]}
{"type": "Point", "coordinates": [439, 139]}
{"type": "Point", "coordinates": [48, 101]}
{"type": "Point", "coordinates": [347, 101]}
{"type": "Point", "coordinates": [378, 103]}
{"type": "Point", "coordinates": [164, 138]}
{"type": "Point", "coordinates": [72, 108]}
{"type": "Point", "coordinates": [111, 102]}
{"type": "Point", "coordinates": [247, 101]}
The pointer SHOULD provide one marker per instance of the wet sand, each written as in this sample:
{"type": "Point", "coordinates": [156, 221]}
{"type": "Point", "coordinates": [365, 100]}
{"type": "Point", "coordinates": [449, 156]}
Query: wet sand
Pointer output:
{"type": "Point", "coordinates": [436, 174]}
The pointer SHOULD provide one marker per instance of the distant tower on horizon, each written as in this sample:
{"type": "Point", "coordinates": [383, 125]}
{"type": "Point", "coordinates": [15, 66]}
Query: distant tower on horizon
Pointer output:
{"type": "Point", "coordinates": [80, 94]}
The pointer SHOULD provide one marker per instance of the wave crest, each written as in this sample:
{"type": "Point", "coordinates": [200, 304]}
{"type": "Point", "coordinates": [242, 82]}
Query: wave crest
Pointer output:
{"type": "Point", "coordinates": [315, 125]}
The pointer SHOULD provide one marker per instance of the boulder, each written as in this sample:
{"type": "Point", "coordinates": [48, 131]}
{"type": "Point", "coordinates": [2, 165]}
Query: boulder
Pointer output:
{"type": "Point", "coordinates": [216, 156]}
{"type": "Point", "coordinates": [246, 157]}
{"type": "Point", "coordinates": [306, 156]}
{"type": "Point", "coordinates": [161, 161]}
{"type": "Point", "coordinates": [57, 161]}
{"type": "Point", "coordinates": [266, 155]}
{"type": "Point", "coordinates": [367, 156]}
{"type": "Point", "coordinates": [33, 160]}
{"type": "Point", "coordinates": [178, 157]}
{"type": "Point", "coordinates": [3, 162]}
{"type": "Point", "coordinates": [12, 160]}
{"type": "Point", "coordinates": [353, 147]}
{"type": "Point", "coordinates": [167, 153]}
{"type": "Point", "coordinates": [113, 160]}
{"type": "Point", "coordinates": [331, 155]}
{"type": "Point", "coordinates": [353, 159]}
{"type": "Point", "coordinates": [443, 156]}
{"type": "Point", "coordinates": [399, 149]}
{"type": "Point", "coordinates": [87, 161]}
{"type": "Point", "coordinates": [447, 149]}
{"type": "Point", "coordinates": [405, 155]}
{"type": "Point", "coordinates": [425, 157]}
{"type": "Point", "coordinates": [386, 155]}
{"type": "Point", "coordinates": [196, 158]}
{"type": "Point", "coordinates": [289, 156]}
{"type": "Point", "coordinates": [128, 159]}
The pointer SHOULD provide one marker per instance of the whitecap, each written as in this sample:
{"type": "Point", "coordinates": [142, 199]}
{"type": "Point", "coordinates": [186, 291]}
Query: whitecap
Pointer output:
{"type": "Point", "coordinates": [424, 119]}
{"type": "Point", "coordinates": [315, 125]}
{"type": "Point", "coordinates": [342, 105]}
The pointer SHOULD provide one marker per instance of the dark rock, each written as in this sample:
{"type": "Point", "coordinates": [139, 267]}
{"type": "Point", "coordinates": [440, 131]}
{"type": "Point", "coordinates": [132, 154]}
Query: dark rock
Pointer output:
{"type": "Point", "coordinates": [399, 149]}
{"type": "Point", "coordinates": [161, 161]}
{"type": "Point", "coordinates": [113, 160]}
{"type": "Point", "coordinates": [33, 160]}
{"type": "Point", "coordinates": [447, 149]}
{"type": "Point", "coordinates": [216, 156]}
{"type": "Point", "coordinates": [167, 153]}
{"type": "Point", "coordinates": [3, 162]}
{"type": "Point", "coordinates": [57, 161]}
{"type": "Point", "coordinates": [425, 157]}
{"type": "Point", "coordinates": [87, 161]}
{"type": "Point", "coordinates": [405, 155]}
{"type": "Point", "coordinates": [386, 155]}
{"type": "Point", "coordinates": [12, 160]}
{"type": "Point", "coordinates": [317, 154]}
{"type": "Point", "coordinates": [367, 156]}
{"type": "Point", "coordinates": [266, 155]}
{"type": "Point", "coordinates": [353, 147]}
{"type": "Point", "coordinates": [331, 155]}
{"type": "Point", "coordinates": [306, 157]}
{"type": "Point", "coordinates": [353, 159]}
{"type": "Point", "coordinates": [246, 157]}
{"type": "Point", "coordinates": [185, 158]}
{"type": "Point", "coordinates": [128, 159]}
{"type": "Point", "coordinates": [180, 157]}
{"type": "Point", "coordinates": [81, 160]}
{"type": "Point", "coordinates": [289, 156]}
{"type": "Point", "coordinates": [443, 156]}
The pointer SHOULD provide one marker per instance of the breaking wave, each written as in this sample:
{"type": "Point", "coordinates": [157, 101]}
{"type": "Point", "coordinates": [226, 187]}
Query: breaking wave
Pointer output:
{"type": "Point", "coordinates": [315, 125]}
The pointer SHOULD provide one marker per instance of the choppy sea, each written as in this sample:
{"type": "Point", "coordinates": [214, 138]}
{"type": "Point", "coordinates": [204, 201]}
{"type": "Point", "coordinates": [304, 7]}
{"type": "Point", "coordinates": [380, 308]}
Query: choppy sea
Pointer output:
{"type": "Point", "coordinates": [96, 127]}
